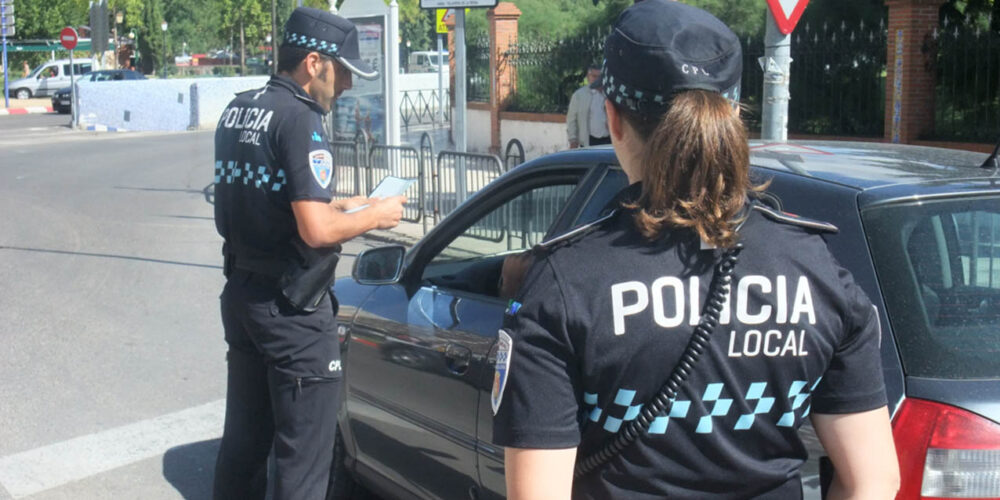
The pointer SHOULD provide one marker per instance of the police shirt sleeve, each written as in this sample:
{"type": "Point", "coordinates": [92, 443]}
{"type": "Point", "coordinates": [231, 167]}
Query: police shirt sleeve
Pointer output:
{"type": "Point", "coordinates": [854, 382]}
{"type": "Point", "coordinates": [535, 384]}
{"type": "Point", "coordinates": [305, 155]}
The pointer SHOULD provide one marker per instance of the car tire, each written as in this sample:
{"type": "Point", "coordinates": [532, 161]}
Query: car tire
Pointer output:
{"type": "Point", "coordinates": [22, 94]}
{"type": "Point", "coordinates": [342, 485]}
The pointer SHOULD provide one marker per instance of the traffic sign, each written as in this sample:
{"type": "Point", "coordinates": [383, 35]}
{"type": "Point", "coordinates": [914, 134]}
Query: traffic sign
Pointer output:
{"type": "Point", "coordinates": [6, 9]}
{"type": "Point", "coordinates": [442, 28]}
{"type": "Point", "coordinates": [787, 13]}
{"type": "Point", "coordinates": [7, 31]}
{"type": "Point", "coordinates": [68, 38]}
{"type": "Point", "coordinates": [456, 4]}
{"type": "Point", "coordinates": [8, 20]}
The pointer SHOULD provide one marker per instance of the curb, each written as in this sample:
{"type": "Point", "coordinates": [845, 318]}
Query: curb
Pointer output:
{"type": "Point", "coordinates": [390, 238]}
{"type": "Point", "coordinates": [26, 111]}
{"type": "Point", "coordinates": [104, 128]}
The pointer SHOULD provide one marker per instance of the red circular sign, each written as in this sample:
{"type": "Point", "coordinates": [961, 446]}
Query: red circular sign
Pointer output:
{"type": "Point", "coordinates": [68, 38]}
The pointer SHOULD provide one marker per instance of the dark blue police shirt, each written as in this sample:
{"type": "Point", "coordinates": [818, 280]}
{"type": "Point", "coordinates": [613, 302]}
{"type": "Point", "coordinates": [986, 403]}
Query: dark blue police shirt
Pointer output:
{"type": "Point", "coordinates": [604, 318]}
{"type": "Point", "coordinates": [270, 150]}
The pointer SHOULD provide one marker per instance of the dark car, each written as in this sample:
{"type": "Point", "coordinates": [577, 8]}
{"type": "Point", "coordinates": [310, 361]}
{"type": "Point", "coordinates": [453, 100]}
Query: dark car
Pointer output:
{"type": "Point", "coordinates": [62, 98]}
{"type": "Point", "coordinates": [919, 230]}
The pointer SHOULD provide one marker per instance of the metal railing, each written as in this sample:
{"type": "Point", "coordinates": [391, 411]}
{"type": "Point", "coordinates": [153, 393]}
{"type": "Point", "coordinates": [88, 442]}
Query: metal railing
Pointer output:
{"type": "Point", "coordinates": [350, 158]}
{"type": "Point", "coordinates": [425, 107]}
{"type": "Point", "coordinates": [451, 187]}
{"type": "Point", "coordinates": [513, 155]}
{"type": "Point", "coordinates": [967, 94]}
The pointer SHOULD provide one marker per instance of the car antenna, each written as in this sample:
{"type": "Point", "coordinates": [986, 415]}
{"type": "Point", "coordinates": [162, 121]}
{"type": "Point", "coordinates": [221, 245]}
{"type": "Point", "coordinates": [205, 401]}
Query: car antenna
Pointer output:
{"type": "Point", "coordinates": [994, 160]}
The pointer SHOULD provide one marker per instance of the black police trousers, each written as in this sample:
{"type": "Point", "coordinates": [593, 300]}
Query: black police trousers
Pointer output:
{"type": "Point", "coordinates": [283, 392]}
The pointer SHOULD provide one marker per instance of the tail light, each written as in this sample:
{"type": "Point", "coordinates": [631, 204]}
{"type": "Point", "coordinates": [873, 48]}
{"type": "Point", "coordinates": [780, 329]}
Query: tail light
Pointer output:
{"type": "Point", "coordinates": [945, 452]}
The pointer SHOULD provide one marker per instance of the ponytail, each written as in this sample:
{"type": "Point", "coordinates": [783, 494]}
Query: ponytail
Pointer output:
{"type": "Point", "coordinates": [695, 168]}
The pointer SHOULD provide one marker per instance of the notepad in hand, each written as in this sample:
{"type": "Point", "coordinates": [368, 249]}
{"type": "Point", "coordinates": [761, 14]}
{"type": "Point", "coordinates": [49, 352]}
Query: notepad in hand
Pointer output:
{"type": "Point", "coordinates": [389, 186]}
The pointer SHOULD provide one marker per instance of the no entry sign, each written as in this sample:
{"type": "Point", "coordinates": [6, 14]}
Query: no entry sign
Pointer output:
{"type": "Point", "coordinates": [68, 38]}
{"type": "Point", "coordinates": [787, 13]}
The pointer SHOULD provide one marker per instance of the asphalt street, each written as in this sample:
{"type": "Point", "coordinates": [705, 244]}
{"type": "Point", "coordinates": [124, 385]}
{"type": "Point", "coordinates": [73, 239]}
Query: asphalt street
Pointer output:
{"type": "Point", "coordinates": [113, 372]}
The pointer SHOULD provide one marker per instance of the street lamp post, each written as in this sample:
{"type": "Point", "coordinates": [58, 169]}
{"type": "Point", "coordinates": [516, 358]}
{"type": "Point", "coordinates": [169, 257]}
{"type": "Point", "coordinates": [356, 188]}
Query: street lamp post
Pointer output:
{"type": "Point", "coordinates": [163, 27]}
{"type": "Point", "coordinates": [135, 49]}
{"type": "Point", "coordinates": [267, 60]}
{"type": "Point", "coordinates": [119, 17]}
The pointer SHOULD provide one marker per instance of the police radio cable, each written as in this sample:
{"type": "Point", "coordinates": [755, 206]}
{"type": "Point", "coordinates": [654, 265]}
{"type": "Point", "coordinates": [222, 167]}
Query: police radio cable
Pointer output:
{"type": "Point", "coordinates": [663, 401]}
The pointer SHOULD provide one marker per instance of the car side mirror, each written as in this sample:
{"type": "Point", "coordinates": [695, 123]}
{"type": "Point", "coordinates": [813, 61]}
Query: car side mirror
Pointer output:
{"type": "Point", "coordinates": [379, 266]}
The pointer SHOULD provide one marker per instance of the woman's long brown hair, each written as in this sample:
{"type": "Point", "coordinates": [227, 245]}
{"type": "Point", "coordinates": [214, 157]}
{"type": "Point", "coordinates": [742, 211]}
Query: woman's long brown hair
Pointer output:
{"type": "Point", "coordinates": [696, 166]}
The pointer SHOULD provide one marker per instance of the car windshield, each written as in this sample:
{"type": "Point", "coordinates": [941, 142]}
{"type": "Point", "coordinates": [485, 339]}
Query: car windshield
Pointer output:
{"type": "Point", "coordinates": [938, 264]}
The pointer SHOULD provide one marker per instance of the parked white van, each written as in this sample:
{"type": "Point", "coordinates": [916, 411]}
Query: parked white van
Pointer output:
{"type": "Point", "coordinates": [426, 61]}
{"type": "Point", "coordinates": [47, 78]}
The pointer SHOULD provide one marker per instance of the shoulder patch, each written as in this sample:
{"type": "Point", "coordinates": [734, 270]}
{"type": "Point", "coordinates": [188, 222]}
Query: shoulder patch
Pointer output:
{"type": "Point", "coordinates": [505, 346]}
{"type": "Point", "coordinates": [787, 218]}
{"type": "Point", "coordinates": [569, 236]}
{"type": "Point", "coordinates": [321, 166]}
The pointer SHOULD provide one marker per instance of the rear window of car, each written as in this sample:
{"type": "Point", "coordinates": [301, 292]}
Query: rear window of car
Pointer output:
{"type": "Point", "coordinates": [938, 265]}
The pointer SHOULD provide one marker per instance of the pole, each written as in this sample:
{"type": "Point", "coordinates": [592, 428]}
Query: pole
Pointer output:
{"type": "Point", "coordinates": [274, 37]}
{"type": "Point", "coordinates": [777, 69]}
{"type": "Point", "coordinates": [459, 118]}
{"type": "Point", "coordinates": [164, 54]}
{"type": "Point", "coordinates": [392, 78]}
{"type": "Point", "coordinates": [440, 81]}
{"type": "Point", "coordinates": [73, 105]}
{"type": "Point", "coordinates": [6, 70]}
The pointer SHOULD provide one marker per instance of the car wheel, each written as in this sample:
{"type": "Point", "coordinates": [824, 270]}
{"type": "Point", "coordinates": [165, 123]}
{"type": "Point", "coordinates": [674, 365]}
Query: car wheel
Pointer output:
{"type": "Point", "coordinates": [22, 94]}
{"type": "Point", "coordinates": [342, 485]}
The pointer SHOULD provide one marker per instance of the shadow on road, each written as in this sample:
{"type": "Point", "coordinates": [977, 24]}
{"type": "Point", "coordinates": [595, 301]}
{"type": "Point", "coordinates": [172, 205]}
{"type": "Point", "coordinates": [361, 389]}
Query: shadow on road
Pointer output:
{"type": "Point", "coordinates": [190, 469]}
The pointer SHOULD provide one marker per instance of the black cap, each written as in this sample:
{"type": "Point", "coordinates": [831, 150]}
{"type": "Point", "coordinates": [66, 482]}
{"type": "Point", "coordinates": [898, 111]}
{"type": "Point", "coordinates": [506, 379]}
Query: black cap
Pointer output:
{"type": "Point", "coordinates": [326, 33]}
{"type": "Point", "coordinates": [660, 47]}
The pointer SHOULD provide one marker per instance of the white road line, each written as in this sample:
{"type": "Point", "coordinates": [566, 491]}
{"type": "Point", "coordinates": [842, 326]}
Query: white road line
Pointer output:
{"type": "Point", "coordinates": [33, 471]}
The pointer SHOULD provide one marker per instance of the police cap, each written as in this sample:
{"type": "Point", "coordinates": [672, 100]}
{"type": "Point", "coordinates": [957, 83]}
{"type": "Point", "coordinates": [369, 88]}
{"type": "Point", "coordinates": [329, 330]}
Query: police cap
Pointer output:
{"type": "Point", "coordinates": [326, 33]}
{"type": "Point", "coordinates": [660, 47]}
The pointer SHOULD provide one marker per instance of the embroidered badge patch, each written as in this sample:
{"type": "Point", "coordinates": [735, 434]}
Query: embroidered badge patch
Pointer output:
{"type": "Point", "coordinates": [504, 348]}
{"type": "Point", "coordinates": [512, 307]}
{"type": "Point", "coordinates": [321, 164]}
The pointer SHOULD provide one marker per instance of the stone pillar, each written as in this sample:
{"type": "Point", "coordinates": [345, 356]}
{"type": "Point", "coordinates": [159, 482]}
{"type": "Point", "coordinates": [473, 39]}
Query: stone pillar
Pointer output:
{"type": "Point", "coordinates": [909, 85]}
{"type": "Point", "coordinates": [502, 20]}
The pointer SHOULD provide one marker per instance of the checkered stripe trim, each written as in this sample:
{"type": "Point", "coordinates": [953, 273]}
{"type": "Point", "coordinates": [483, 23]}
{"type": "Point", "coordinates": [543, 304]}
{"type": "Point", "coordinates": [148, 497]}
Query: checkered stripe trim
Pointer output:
{"type": "Point", "coordinates": [233, 173]}
{"type": "Point", "coordinates": [646, 102]}
{"type": "Point", "coordinates": [311, 43]}
{"type": "Point", "coordinates": [622, 409]}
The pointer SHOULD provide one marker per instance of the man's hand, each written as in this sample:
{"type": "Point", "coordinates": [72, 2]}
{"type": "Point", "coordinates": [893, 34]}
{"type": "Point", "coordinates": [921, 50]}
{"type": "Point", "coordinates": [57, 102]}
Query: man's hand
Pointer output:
{"type": "Point", "coordinates": [387, 211]}
{"type": "Point", "coordinates": [574, 144]}
{"type": "Point", "coordinates": [349, 203]}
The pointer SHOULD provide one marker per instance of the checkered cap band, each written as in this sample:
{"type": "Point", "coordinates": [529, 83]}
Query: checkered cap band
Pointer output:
{"type": "Point", "coordinates": [646, 102]}
{"type": "Point", "coordinates": [311, 43]}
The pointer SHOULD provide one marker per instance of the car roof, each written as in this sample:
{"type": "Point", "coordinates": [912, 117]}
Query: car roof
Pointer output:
{"type": "Point", "coordinates": [881, 171]}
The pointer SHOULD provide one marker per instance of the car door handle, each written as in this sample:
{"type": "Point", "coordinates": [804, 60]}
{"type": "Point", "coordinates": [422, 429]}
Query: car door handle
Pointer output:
{"type": "Point", "coordinates": [457, 358]}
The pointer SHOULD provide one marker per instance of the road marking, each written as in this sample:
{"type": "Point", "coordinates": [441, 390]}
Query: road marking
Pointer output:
{"type": "Point", "coordinates": [40, 469]}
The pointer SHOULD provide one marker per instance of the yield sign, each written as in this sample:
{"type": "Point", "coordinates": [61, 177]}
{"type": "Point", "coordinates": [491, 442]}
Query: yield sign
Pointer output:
{"type": "Point", "coordinates": [787, 13]}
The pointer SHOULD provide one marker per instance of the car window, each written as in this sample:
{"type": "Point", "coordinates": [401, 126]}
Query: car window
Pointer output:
{"type": "Point", "coordinates": [938, 264]}
{"type": "Point", "coordinates": [472, 261]}
{"type": "Point", "coordinates": [596, 206]}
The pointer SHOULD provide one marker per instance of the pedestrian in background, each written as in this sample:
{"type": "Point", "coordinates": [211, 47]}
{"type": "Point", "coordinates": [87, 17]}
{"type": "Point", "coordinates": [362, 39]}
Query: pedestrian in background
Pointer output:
{"type": "Point", "coordinates": [628, 362]}
{"type": "Point", "coordinates": [586, 121]}
{"type": "Point", "coordinates": [274, 206]}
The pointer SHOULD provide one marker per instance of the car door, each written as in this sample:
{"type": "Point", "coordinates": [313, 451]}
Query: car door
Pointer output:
{"type": "Point", "coordinates": [592, 201]}
{"type": "Point", "coordinates": [418, 350]}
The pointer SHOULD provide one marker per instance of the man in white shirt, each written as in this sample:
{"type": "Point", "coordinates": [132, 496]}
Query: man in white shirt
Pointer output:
{"type": "Point", "coordinates": [586, 121]}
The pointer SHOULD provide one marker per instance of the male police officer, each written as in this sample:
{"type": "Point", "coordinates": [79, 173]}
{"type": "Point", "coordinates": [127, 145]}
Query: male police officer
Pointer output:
{"type": "Point", "coordinates": [274, 207]}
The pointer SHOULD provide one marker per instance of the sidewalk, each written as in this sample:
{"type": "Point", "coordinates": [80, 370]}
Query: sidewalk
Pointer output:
{"type": "Point", "coordinates": [26, 106]}
{"type": "Point", "coordinates": [406, 234]}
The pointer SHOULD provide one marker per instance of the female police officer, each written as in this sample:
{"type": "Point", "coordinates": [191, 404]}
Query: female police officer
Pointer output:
{"type": "Point", "coordinates": [598, 366]}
